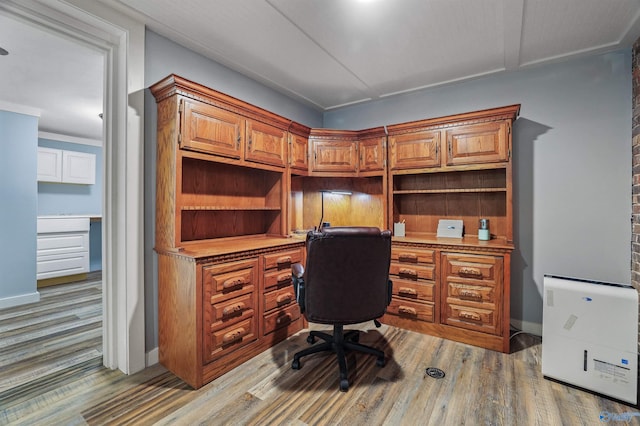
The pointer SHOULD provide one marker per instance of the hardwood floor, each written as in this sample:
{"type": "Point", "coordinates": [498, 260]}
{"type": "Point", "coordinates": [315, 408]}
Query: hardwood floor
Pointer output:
{"type": "Point", "coordinates": [480, 386]}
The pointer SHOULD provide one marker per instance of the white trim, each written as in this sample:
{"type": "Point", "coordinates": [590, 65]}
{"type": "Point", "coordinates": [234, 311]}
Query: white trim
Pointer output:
{"type": "Point", "coordinates": [153, 357]}
{"type": "Point", "coordinates": [20, 109]}
{"type": "Point", "coordinates": [70, 139]}
{"type": "Point", "coordinates": [121, 39]}
{"type": "Point", "coordinates": [9, 302]}
{"type": "Point", "coordinates": [534, 328]}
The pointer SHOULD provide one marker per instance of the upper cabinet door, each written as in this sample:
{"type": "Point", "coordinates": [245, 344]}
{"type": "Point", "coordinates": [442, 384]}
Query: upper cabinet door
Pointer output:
{"type": "Point", "coordinates": [299, 152]}
{"type": "Point", "coordinates": [478, 143]}
{"type": "Point", "coordinates": [212, 130]}
{"type": "Point", "coordinates": [78, 167]}
{"type": "Point", "coordinates": [415, 150]}
{"type": "Point", "coordinates": [266, 144]}
{"type": "Point", "coordinates": [334, 155]}
{"type": "Point", "coordinates": [372, 154]}
{"type": "Point", "coordinates": [49, 165]}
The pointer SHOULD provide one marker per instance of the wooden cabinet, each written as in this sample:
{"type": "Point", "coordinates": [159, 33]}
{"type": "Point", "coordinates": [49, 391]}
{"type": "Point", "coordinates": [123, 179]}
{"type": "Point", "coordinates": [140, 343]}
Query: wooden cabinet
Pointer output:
{"type": "Point", "coordinates": [334, 154]}
{"type": "Point", "coordinates": [473, 291]}
{"type": "Point", "coordinates": [373, 154]}
{"type": "Point", "coordinates": [348, 153]}
{"type": "Point", "coordinates": [209, 129]}
{"type": "Point", "coordinates": [412, 271]}
{"type": "Point", "coordinates": [457, 167]}
{"type": "Point", "coordinates": [221, 220]}
{"type": "Point", "coordinates": [415, 150]}
{"type": "Point", "coordinates": [266, 144]}
{"type": "Point", "coordinates": [479, 143]}
{"type": "Point", "coordinates": [299, 152]}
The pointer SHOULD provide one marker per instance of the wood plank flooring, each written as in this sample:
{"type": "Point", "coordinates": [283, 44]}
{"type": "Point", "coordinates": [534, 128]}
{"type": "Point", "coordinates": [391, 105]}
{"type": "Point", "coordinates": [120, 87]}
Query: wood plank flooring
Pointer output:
{"type": "Point", "coordinates": [481, 387]}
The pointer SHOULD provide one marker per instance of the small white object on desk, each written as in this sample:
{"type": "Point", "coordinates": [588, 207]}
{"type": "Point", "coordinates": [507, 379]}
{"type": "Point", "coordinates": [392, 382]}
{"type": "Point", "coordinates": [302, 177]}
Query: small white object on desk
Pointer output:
{"type": "Point", "coordinates": [398, 229]}
{"type": "Point", "coordinates": [449, 228]}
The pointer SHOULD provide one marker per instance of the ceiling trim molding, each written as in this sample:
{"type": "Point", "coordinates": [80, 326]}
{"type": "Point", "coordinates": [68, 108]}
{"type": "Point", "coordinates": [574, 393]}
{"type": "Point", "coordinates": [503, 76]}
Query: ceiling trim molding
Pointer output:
{"type": "Point", "coordinates": [20, 109]}
{"type": "Point", "coordinates": [70, 139]}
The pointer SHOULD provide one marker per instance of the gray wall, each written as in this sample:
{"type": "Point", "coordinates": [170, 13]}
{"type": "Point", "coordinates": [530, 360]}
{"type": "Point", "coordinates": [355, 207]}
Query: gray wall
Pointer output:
{"type": "Point", "coordinates": [18, 211]}
{"type": "Point", "coordinates": [572, 165]}
{"type": "Point", "coordinates": [572, 159]}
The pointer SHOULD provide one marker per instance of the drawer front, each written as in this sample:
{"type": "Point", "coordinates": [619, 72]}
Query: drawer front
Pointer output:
{"type": "Point", "coordinates": [281, 318]}
{"type": "Point", "coordinates": [412, 272]}
{"type": "Point", "coordinates": [414, 290]}
{"type": "Point", "coordinates": [278, 279]}
{"type": "Point", "coordinates": [230, 311]}
{"type": "Point", "coordinates": [228, 339]}
{"type": "Point", "coordinates": [279, 298]}
{"type": "Point", "coordinates": [471, 293]}
{"type": "Point", "coordinates": [411, 309]}
{"type": "Point", "coordinates": [472, 268]}
{"type": "Point", "coordinates": [283, 259]}
{"type": "Point", "coordinates": [228, 280]}
{"type": "Point", "coordinates": [413, 255]}
{"type": "Point", "coordinates": [472, 318]}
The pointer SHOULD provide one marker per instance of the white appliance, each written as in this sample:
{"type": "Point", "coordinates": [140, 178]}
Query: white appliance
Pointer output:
{"type": "Point", "coordinates": [590, 336]}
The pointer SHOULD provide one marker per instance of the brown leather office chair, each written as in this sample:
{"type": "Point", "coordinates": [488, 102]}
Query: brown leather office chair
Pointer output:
{"type": "Point", "coordinates": [346, 281]}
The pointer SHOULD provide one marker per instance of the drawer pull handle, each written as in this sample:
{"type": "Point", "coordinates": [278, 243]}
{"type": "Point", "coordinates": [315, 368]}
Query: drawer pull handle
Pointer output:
{"type": "Point", "coordinates": [407, 310]}
{"type": "Point", "coordinates": [233, 309]}
{"type": "Point", "coordinates": [283, 259]}
{"type": "Point", "coordinates": [469, 316]}
{"type": "Point", "coordinates": [470, 294]}
{"type": "Point", "coordinates": [470, 272]}
{"type": "Point", "coordinates": [282, 319]}
{"type": "Point", "coordinates": [233, 282]}
{"type": "Point", "coordinates": [406, 291]}
{"type": "Point", "coordinates": [283, 299]}
{"type": "Point", "coordinates": [234, 335]}
{"type": "Point", "coordinates": [283, 278]}
{"type": "Point", "coordinates": [408, 272]}
{"type": "Point", "coordinates": [407, 257]}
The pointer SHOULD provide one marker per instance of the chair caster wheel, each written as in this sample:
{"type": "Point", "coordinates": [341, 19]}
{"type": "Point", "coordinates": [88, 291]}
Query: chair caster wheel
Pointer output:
{"type": "Point", "coordinates": [295, 365]}
{"type": "Point", "coordinates": [344, 385]}
{"type": "Point", "coordinates": [311, 340]}
{"type": "Point", "coordinates": [380, 362]}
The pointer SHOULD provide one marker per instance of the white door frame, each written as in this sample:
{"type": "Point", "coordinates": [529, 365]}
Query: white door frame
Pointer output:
{"type": "Point", "coordinates": [121, 39]}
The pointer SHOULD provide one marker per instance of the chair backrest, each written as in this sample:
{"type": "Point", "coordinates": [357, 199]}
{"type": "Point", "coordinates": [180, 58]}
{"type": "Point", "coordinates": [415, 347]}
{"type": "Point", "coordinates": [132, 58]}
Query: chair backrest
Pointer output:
{"type": "Point", "coordinates": [346, 274]}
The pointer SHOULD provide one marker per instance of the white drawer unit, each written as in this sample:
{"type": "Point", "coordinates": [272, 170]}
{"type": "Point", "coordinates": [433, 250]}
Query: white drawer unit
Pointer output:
{"type": "Point", "coordinates": [63, 246]}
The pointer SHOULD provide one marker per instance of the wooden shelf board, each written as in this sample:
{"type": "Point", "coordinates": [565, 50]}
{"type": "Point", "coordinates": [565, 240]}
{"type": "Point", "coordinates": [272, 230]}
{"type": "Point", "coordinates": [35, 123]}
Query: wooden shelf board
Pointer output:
{"type": "Point", "coordinates": [447, 191]}
{"type": "Point", "coordinates": [230, 208]}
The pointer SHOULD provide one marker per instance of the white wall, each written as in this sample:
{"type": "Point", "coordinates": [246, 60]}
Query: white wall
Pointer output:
{"type": "Point", "coordinates": [572, 165]}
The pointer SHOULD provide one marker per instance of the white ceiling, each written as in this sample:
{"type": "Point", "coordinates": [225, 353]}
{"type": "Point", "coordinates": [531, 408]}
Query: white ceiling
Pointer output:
{"type": "Point", "coordinates": [328, 53]}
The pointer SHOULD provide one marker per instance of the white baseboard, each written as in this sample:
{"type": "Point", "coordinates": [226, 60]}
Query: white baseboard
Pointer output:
{"type": "Point", "coordinates": [527, 326]}
{"type": "Point", "coordinates": [9, 302]}
{"type": "Point", "coordinates": [152, 357]}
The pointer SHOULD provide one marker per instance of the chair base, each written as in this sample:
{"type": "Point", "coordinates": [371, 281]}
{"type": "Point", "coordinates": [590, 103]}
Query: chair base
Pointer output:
{"type": "Point", "coordinates": [338, 343]}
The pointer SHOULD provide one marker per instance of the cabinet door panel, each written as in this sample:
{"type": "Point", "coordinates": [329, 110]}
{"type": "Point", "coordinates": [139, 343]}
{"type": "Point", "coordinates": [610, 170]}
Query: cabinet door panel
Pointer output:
{"type": "Point", "coordinates": [372, 154]}
{"type": "Point", "coordinates": [212, 130]}
{"type": "Point", "coordinates": [266, 144]}
{"type": "Point", "coordinates": [478, 143]}
{"type": "Point", "coordinates": [415, 150]}
{"type": "Point", "coordinates": [299, 152]}
{"type": "Point", "coordinates": [334, 156]}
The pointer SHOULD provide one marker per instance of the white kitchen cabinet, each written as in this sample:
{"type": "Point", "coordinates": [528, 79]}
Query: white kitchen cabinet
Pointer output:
{"type": "Point", "coordinates": [63, 246]}
{"type": "Point", "coordinates": [57, 165]}
{"type": "Point", "coordinates": [49, 165]}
